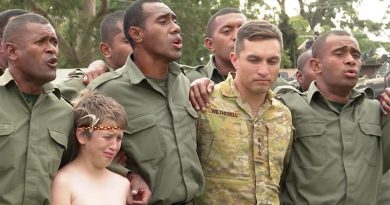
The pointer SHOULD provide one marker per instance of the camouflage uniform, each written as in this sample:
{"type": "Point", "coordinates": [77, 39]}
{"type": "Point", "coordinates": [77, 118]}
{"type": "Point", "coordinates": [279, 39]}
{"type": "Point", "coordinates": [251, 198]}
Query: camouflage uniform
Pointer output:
{"type": "Point", "coordinates": [241, 154]}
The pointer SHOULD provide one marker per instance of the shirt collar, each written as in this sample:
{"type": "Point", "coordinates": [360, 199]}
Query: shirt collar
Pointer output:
{"type": "Point", "coordinates": [136, 75]}
{"type": "Point", "coordinates": [7, 78]}
{"type": "Point", "coordinates": [313, 89]}
{"type": "Point", "coordinates": [229, 89]}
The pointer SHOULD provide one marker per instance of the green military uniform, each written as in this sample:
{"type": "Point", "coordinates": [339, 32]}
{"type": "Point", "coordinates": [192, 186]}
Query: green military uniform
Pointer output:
{"type": "Point", "coordinates": [242, 154]}
{"type": "Point", "coordinates": [71, 87]}
{"type": "Point", "coordinates": [209, 71]}
{"type": "Point", "coordinates": [160, 140]}
{"type": "Point", "coordinates": [336, 155]}
{"type": "Point", "coordinates": [384, 190]}
{"type": "Point", "coordinates": [32, 141]}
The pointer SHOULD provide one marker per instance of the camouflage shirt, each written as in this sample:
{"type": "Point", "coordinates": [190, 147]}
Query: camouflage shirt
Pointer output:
{"type": "Point", "coordinates": [242, 154]}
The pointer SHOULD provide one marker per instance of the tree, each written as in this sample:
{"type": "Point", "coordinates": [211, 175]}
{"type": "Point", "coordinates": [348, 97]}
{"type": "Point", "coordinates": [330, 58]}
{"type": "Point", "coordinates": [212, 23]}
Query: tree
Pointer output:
{"type": "Point", "coordinates": [77, 23]}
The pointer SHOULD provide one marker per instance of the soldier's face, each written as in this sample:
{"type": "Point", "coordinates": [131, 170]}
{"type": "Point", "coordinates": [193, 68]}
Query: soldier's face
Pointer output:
{"type": "Point", "coordinates": [306, 76]}
{"type": "Point", "coordinates": [222, 40]}
{"type": "Point", "coordinates": [257, 66]}
{"type": "Point", "coordinates": [119, 48]}
{"type": "Point", "coordinates": [36, 53]}
{"type": "Point", "coordinates": [338, 64]}
{"type": "Point", "coordinates": [161, 33]}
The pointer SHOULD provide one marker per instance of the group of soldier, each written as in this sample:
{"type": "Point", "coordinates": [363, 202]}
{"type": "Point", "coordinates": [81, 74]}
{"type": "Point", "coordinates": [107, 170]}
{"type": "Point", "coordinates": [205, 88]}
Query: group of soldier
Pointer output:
{"type": "Point", "coordinates": [323, 143]}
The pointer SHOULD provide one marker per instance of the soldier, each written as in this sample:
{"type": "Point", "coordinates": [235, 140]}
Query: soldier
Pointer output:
{"type": "Point", "coordinates": [337, 151]}
{"type": "Point", "coordinates": [160, 139]}
{"type": "Point", "coordinates": [337, 155]}
{"type": "Point", "coordinates": [35, 120]}
{"type": "Point", "coordinates": [305, 75]}
{"type": "Point", "coordinates": [221, 34]}
{"type": "Point", "coordinates": [5, 16]}
{"type": "Point", "coordinates": [220, 37]}
{"type": "Point", "coordinates": [245, 133]}
{"type": "Point", "coordinates": [113, 46]}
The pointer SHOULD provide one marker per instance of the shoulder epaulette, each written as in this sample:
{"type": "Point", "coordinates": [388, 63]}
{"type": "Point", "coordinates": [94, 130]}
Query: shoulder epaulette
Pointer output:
{"type": "Point", "coordinates": [286, 89]}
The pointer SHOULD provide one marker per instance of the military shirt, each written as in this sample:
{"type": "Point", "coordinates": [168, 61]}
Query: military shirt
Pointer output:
{"type": "Point", "coordinates": [384, 190]}
{"type": "Point", "coordinates": [336, 155]}
{"type": "Point", "coordinates": [32, 142]}
{"type": "Point", "coordinates": [242, 154]}
{"type": "Point", "coordinates": [160, 139]}
{"type": "Point", "coordinates": [209, 71]}
{"type": "Point", "coordinates": [71, 87]}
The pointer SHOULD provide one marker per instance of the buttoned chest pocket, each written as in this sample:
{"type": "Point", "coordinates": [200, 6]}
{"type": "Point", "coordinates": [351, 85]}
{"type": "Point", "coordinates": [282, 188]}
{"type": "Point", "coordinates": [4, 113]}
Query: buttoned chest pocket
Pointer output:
{"type": "Point", "coordinates": [309, 147]}
{"type": "Point", "coordinates": [53, 151]}
{"type": "Point", "coordinates": [224, 148]}
{"type": "Point", "coordinates": [142, 141]}
{"type": "Point", "coordinates": [7, 146]}
{"type": "Point", "coordinates": [371, 141]}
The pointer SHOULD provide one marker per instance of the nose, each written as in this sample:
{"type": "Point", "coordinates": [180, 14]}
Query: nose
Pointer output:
{"type": "Point", "coordinates": [115, 145]}
{"type": "Point", "coordinates": [51, 48]}
{"type": "Point", "coordinates": [350, 60]}
{"type": "Point", "coordinates": [175, 28]}
{"type": "Point", "coordinates": [235, 34]}
{"type": "Point", "coordinates": [263, 69]}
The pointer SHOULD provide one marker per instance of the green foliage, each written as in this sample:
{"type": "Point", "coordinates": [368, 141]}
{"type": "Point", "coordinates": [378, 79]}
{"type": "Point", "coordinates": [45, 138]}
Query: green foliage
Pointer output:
{"type": "Point", "coordinates": [289, 40]}
{"type": "Point", "coordinates": [78, 31]}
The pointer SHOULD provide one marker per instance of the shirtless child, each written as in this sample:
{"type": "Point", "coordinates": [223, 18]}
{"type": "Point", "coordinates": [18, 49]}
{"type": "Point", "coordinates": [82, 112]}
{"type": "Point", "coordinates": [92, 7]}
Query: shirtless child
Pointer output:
{"type": "Point", "coordinates": [99, 122]}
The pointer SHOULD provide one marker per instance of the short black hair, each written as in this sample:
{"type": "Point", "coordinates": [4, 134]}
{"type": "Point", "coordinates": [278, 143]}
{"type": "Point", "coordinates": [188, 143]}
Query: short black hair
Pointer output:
{"type": "Point", "coordinates": [224, 11]}
{"type": "Point", "coordinates": [303, 58]}
{"type": "Point", "coordinates": [6, 15]}
{"type": "Point", "coordinates": [134, 16]}
{"type": "Point", "coordinates": [109, 28]}
{"type": "Point", "coordinates": [18, 25]}
{"type": "Point", "coordinates": [319, 42]}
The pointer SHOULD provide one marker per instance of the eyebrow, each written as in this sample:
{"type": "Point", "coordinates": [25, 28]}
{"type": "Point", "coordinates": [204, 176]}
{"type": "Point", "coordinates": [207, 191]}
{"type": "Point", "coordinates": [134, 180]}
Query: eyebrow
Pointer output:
{"type": "Point", "coordinates": [344, 47]}
{"type": "Point", "coordinates": [169, 14]}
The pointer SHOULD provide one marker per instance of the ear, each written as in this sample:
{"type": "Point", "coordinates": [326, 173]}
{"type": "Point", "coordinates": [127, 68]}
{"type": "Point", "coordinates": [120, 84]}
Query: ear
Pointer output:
{"type": "Point", "coordinates": [298, 76]}
{"type": "Point", "coordinates": [209, 44]}
{"type": "Point", "coordinates": [136, 34]}
{"type": "Point", "coordinates": [234, 59]}
{"type": "Point", "coordinates": [81, 137]}
{"type": "Point", "coordinates": [105, 49]}
{"type": "Point", "coordinates": [315, 65]}
{"type": "Point", "coordinates": [11, 50]}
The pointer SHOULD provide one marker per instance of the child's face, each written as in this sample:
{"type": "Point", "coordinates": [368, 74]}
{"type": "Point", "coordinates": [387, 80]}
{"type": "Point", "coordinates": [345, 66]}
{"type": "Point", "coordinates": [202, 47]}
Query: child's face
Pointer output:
{"type": "Point", "coordinates": [103, 145]}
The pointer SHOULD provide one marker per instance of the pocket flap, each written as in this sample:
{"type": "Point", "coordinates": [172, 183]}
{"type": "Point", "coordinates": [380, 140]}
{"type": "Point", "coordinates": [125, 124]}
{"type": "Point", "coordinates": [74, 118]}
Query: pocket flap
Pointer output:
{"type": "Point", "coordinates": [307, 129]}
{"type": "Point", "coordinates": [59, 137]}
{"type": "Point", "coordinates": [6, 129]}
{"type": "Point", "coordinates": [371, 129]}
{"type": "Point", "coordinates": [141, 123]}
